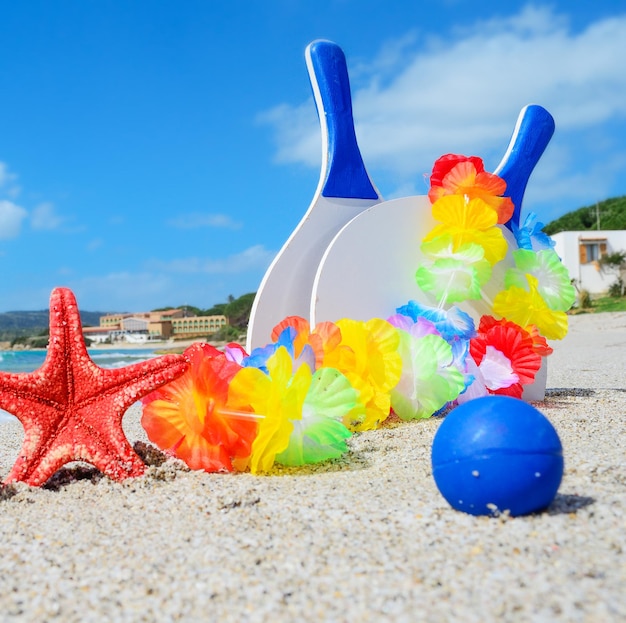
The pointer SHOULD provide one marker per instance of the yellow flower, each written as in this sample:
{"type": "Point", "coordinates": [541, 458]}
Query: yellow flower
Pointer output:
{"type": "Point", "coordinates": [368, 356]}
{"type": "Point", "coordinates": [526, 307]}
{"type": "Point", "coordinates": [469, 221]}
{"type": "Point", "coordinates": [277, 396]}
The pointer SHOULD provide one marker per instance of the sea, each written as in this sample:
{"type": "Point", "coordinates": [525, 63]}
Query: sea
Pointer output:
{"type": "Point", "coordinates": [30, 360]}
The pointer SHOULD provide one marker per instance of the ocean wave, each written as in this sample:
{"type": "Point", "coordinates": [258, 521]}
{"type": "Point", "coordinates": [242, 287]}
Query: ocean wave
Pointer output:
{"type": "Point", "coordinates": [30, 360]}
{"type": "Point", "coordinates": [119, 359]}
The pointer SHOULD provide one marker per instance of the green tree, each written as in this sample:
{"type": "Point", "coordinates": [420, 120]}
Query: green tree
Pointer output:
{"type": "Point", "coordinates": [608, 214]}
{"type": "Point", "coordinates": [238, 310]}
{"type": "Point", "coordinates": [615, 263]}
{"type": "Point", "coordinates": [216, 310]}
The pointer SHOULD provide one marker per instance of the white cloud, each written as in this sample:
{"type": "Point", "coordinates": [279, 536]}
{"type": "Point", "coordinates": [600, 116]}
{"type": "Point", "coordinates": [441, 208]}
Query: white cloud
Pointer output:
{"type": "Point", "coordinates": [252, 259]}
{"type": "Point", "coordinates": [11, 217]}
{"type": "Point", "coordinates": [5, 176]}
{"type": "Point", "coordinates": [390, 58]}
{"type": "Point", "coordinates": [7, 182]}
{"type": "Point", "coordinates": [463, 93]}
{"type": "Point", "coordinates": [195, 220]}
{"type": "Point", "coordinates": [44, 217]}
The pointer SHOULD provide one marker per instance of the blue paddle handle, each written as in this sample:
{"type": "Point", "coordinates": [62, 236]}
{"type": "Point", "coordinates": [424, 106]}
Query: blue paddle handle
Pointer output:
{"type": "Point", "coordinates": [345, 173]}
{"type": "Point", "coordinates": [534, 130]}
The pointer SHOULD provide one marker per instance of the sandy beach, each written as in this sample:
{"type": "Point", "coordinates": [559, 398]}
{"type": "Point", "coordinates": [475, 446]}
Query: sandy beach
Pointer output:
{"type": "Point", "coordinates": [364, 538]}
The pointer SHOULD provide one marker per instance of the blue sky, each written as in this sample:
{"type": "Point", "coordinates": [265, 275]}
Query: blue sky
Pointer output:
{"type": "Point", "coordinates": [160, 152]}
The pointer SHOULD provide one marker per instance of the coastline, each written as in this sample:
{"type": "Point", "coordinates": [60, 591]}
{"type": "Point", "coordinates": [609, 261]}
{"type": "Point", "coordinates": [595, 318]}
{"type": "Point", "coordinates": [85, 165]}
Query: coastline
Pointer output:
{"type": "Point", "coordinates": [364, 538]}
{"type": "Point", "coordinates": [156, 345]}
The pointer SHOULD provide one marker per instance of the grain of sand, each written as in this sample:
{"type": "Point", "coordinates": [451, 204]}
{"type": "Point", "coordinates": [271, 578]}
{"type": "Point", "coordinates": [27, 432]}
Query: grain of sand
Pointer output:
{"type": "Point", "coordinates": [365, 538]}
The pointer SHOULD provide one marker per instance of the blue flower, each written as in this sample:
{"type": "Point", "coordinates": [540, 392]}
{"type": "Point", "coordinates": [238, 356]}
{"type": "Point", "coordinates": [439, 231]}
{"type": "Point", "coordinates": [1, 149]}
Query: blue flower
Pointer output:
{"type": "Point", "coordinates": [451, 323]}
{"type": "Point", "coordinates": [531, 235]}
{"type": "Point", "coordinates": [259, 356]}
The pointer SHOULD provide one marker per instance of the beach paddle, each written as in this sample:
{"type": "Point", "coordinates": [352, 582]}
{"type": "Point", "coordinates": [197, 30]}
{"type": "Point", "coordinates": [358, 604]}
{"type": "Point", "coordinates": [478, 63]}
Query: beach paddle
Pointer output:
{"type": "Point", "coordinates": [368, 270]}
{"type": "Point", "coordinates": [344, 190]}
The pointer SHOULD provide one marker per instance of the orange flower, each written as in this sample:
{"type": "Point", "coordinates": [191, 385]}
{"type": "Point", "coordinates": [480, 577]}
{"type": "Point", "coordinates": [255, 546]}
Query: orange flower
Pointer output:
{"type": "Point", "coordinates": [189, 417]}
{"type": "Point", "coordinates": [323, 339]}
{"type": "Point", "coordinates": [459, 175]}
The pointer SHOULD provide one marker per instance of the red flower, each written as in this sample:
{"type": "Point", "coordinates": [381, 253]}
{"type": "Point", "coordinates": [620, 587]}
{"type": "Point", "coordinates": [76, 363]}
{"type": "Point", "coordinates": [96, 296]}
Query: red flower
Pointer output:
{"type": "Point", "coordinates": [515, 343]}
{"type": "Point", "coordinates": [446, 163]}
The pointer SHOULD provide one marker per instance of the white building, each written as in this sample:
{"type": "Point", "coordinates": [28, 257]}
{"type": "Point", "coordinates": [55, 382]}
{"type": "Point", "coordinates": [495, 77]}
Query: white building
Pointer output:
{"type": "Point", "coordinates": [97, 335]}
{"type": "Point", "coordinates": [580, 252]}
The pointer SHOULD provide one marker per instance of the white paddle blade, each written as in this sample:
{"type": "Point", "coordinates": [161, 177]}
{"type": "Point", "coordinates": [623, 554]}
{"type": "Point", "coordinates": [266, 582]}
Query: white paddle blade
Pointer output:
{"type": "Point", "coordinates": [369, 268]}
{"type": "Point", "coordinates": [344, 190]}
{"type": "Point", "coordinates": [286, 287]}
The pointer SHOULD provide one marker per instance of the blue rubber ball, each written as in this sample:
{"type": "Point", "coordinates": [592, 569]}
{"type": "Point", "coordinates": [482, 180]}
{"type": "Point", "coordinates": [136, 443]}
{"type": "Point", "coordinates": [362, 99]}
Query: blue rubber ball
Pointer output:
{"type": "Point", "coordinates": [496, 454]}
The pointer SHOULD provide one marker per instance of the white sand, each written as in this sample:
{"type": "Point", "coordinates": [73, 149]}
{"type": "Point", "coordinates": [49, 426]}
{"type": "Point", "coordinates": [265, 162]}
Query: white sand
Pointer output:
{"type": "Point", "coordinates": [368, 538]}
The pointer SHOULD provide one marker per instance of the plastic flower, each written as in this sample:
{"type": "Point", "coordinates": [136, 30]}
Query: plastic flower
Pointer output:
{"type": "Point", "coordinates": [531, 235]}
{"type": "Point", "coordinates": [472, 221]}
{"type": "Point", "coordinates": [451, 323]}
{"type": "Point", "coordinates": [417, 328]}
{"type": "Point", "coordinates": [368, 356]}
{"type": "Point", "coordinates": [505, 357]}
{"type": "Point", "coordinates": [540, 345]}
{"type": "Point", "coordinates": [460, 175]}
{"type": "Point", "coordinates": [235, 352]}
{"type": "Point", "coordinates": [453, 276]}
{"type": "Point", "coordinates": [429, 379]}
{"type": "Point", "coordinates": [298, 421]}
{"type": "Point", "coordinates": [477, 386]}
{"type": "Point", "coordinates": [325, 338]}
{"type": "Point", "coordinates": [526, 307]}
{"type": "Point", "coordinates": [287, 339]}
{"type": "Point", "coordinates": [320, 434]}
{"type": "Point", "coordinates": [299, 335]}
{"type": "Point", "coordinates": [554, 284]}
{"type": "Point", "coordinates": [277, 397]}
{"type": "Point", "coordinates": [446, 163]}
{"type": "Point", "coordinates": [190, 419]}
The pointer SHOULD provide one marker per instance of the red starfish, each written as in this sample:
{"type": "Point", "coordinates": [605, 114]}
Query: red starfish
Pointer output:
{"type": "Point", "coordinates": [71, 409]}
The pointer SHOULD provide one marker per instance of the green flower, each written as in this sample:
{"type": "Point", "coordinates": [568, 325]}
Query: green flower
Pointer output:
{"type": "Point", "coordinates": [555, 286]}
{"type": "Point", "coordinates": [453, 276]}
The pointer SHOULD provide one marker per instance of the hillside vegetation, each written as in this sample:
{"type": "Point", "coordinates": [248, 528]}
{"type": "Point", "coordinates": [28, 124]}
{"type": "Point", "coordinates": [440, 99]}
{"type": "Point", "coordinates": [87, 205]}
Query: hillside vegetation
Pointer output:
{"type": "Point", "coordinates": [236, 310]}
{"type": "Point", "coordinates": [21, 324]}
{"type": "Point", "coordinates": [608, 214]}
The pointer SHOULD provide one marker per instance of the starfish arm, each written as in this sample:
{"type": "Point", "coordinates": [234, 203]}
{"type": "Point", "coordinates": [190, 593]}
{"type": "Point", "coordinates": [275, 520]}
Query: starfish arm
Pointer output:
{"type": "Point", "coordinates": [71, 409]}
{"type": "Point", "coordinates": [116, 460]}
{"type": "Point", "coordinates": [132, 383]}
{"type": "Point", "coordinates": [25, 392]}
{"type": "Point", "coordinates": [41, 424]}
{"type": "Point", "coordinates": [89, 430]}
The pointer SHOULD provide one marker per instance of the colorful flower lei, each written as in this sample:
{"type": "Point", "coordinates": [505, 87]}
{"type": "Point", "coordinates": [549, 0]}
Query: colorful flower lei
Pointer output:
{"type": "Point", "coordinates": [298, 399]}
